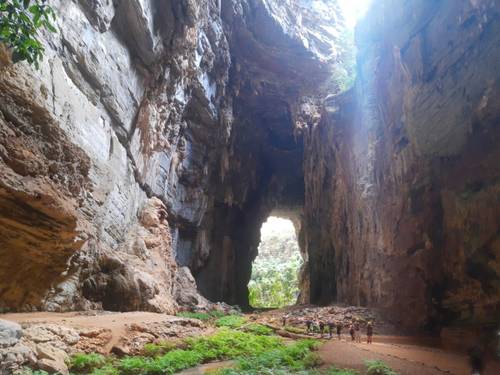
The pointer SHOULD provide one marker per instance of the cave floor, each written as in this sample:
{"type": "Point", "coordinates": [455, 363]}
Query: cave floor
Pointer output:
{"type": "Point", "coordinates": [406, 355]}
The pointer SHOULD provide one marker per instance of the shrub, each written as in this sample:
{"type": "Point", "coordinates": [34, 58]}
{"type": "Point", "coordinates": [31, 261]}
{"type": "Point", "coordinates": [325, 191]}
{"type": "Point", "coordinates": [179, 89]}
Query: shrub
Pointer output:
{"type": "Point", "coordinates": [176, 360]}
{"type": "Point", "coordinates": [28, 371]}
{"type": "Point", "coordinates": [258, 329]}
{"type": "Point", "coordinates": [231, 321]}
{"type": "Point", "coordinates": [84, 363]}
{"type": "Point", "coordinates": [378, 368]}
{"type": "Point", "coordinates": [134, 365]}
{"type": "Point", "coordinates": [217, 314]}
{"type": "Point", "coordinates": [227, 344]}
{"type": "Point", "coordinates": [155, 350]}
{"type": "Point", "coordinates": [295, 357]}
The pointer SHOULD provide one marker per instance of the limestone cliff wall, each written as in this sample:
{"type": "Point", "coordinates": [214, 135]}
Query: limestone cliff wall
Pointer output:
{"type": "Point", "coordinates": [154, 140]}
{"type": "Point", "coordinates": [118, 123]}
{"type": "Point", "coordinates": [158, 135]}
{"type": "Point", "coordinates": [402, 173]}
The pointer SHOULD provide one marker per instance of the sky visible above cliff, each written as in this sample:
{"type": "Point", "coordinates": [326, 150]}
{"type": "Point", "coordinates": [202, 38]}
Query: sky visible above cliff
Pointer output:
{"type": "Point", "coordinates": [354, 10]}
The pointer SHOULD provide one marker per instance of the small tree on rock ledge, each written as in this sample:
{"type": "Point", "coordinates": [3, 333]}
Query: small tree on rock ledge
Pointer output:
{"type": "Point", "coordinates": [20, 21]}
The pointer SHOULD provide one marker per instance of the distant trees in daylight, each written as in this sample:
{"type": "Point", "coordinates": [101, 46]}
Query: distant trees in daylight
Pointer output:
{"type": "Point", "coordinates": [274, 281]}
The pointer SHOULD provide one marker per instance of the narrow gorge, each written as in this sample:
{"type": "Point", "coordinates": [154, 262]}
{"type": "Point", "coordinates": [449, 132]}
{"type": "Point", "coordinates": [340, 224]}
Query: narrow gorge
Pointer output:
{"type": "Point", "coordinates": [140, 160]}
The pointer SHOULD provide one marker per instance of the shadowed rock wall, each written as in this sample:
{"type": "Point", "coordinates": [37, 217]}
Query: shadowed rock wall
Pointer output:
{"type": "Point", "coordinates": [404, 214]}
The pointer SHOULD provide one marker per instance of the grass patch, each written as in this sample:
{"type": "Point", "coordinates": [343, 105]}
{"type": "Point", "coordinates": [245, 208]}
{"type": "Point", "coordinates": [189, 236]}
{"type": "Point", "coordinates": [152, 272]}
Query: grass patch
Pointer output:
{"type": "Point", "coordinates": [281, 360]}
{"type": "Point", "coordinates": [86, 363]}
{"type": "Point", "coordinates": [165, 358]}
{"type": "Point", "coordinates": [378, 368]}
{"type": "Point", "coordinates": [229, 344]}
{"type": "Point", "coordinates": [155, 350]}
{"type": "Point", "coordinates": [194, 315]}
{"type": "Point", "coordinates": [258, 329]}
{"type": "Point", "coordinates": [230, 321]}
{"type": "Point", "coordinates": [204, 316]}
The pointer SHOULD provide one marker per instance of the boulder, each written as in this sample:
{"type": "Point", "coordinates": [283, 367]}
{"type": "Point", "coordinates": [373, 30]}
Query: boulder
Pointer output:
{"type": "Point", "coordinates": [10, 333]}
{"type": "Point", "coordinates": [52, 359]}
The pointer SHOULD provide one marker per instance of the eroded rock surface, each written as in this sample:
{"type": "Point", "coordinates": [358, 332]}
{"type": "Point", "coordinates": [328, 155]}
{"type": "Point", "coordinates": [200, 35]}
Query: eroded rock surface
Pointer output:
{"type": "Point", "coordinates": [406, 212]}
{"type": "Point", "coordinates": [140, 161]}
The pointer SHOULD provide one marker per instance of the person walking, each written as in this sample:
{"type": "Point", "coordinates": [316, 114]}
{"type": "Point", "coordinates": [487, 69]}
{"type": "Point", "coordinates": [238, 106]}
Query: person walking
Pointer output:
{"type": "Point", "coordinates": [308, 325]}
{"type": "Point", "coordinates": [357, 332]}
{"type": "Point", "coordinates": [331, 326]}
{"type": "Point", "coordinates": [369, 333]}
{"type": "Point", "coordinates": [321, 328]}
{"type": "Point", "coordinates": [351, 332]}
{"type": "Point", "coordinates": [339, 330]}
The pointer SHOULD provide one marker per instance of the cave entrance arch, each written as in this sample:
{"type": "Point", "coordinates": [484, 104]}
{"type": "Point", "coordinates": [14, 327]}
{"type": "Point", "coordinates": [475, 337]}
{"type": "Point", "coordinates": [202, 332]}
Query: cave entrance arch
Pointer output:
{"type": "Point", "coordinates": [275, 277]}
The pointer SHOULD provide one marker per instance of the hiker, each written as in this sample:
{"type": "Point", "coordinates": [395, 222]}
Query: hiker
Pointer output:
{"type": "Point", "coordinates": [308, 325]}
{"type": "Point", "coordinates": [339, 330]}
{"type": "Point", "coordinates": [351, 331]}
{"type": "Point", "coordinates": [321, 327]}
{"type": "Point", "coordinates": [357, 332]}
{"type": "Point", "coordinates": [331, 326]}
{"type": "Point", "coordinates": [369, 333]}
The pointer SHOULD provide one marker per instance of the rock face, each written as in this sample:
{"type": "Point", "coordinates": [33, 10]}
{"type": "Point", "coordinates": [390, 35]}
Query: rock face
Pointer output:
{"type": "Point", "coordinates": [139, 163]}
{"type": "Point", "coordinates": [405, 212]}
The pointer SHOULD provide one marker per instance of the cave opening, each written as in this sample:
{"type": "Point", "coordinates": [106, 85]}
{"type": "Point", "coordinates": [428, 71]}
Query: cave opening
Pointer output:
{"type": "Point", "coordinates": [275, 278]}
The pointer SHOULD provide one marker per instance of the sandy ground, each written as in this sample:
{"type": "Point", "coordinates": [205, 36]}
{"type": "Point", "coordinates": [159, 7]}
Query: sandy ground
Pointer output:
{"type": "Point", "coordinates": [404, 359]}
{"type": "Point", "coordinates": [113, 321]}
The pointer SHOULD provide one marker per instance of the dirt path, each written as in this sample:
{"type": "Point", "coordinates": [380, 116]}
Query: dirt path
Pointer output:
{"type": "Point", "coordinates": [115, 322]}
{"type": "Point", "coordinates": [404, 359]}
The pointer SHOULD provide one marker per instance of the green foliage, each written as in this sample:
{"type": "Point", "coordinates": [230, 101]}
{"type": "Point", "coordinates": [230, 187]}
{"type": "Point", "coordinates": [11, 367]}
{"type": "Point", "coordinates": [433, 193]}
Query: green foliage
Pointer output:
{"type": "Point", "coordinates": [205, 316]}
{"type": "Point", "coordinates": [274, 281]}
{"type": "Point", "coordinates": [378, 368]}
{"type": "Point", "coordinates": [231, 321]}
{"type": "Point", "coordinates": [135, 365]}
{"type": "Point", "coordinates": [84, 363]}
{"type": "Point", "coordinates": [155, 350]}
{"type": "Point", "coordinates": [281, 360]}
{"type": "Point", "coordinates": [20, 21]}
{"type": "Point", "coordinates": [28, 371]}
{"type": "Point", "coordinates": [108, 369]}
{"type": "Point", "coordinates": [177, 360]}
{"type": "Point", "coordinates": [224, 344]}
{"type": "Point", "coordinates": [258, 329]}
{"type": "Point", "coordinates": [227, 344]}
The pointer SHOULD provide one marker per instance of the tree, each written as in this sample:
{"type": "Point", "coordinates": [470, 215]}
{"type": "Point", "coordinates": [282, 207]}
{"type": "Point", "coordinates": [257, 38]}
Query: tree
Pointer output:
{"type": "Point", "coordinates": [20, 21]}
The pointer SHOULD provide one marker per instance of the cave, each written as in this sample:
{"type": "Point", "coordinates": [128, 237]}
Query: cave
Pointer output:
{"type": "Point", "coordinates": [163, 154]}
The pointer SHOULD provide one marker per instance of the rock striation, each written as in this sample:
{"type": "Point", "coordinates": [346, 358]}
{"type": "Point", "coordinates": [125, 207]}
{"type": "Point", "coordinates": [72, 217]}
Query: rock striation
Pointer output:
{"type": "Point", "coordinates": [140, 161]}
{"type": "Point", "coordinates": [402, 174]}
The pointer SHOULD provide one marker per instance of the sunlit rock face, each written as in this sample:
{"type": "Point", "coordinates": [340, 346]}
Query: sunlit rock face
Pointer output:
{"type": "Point", "coordinates": [118, 123]}
{"type": "Point", "coordinates": [180, 111]}
{"type": "Point", "coordinates": [405, 212]}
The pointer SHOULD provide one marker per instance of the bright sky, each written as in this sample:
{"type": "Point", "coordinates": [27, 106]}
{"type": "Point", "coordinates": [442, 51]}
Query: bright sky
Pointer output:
{"type": "Point", "coordinates": [354, 10]}
{"type": "Point", "coordinates": [276, 224]}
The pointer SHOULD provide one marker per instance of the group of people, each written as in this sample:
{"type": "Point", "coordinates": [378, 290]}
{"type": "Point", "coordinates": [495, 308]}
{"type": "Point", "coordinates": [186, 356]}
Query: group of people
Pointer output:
{"type": "Point", "coordinates": [330, 327]}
